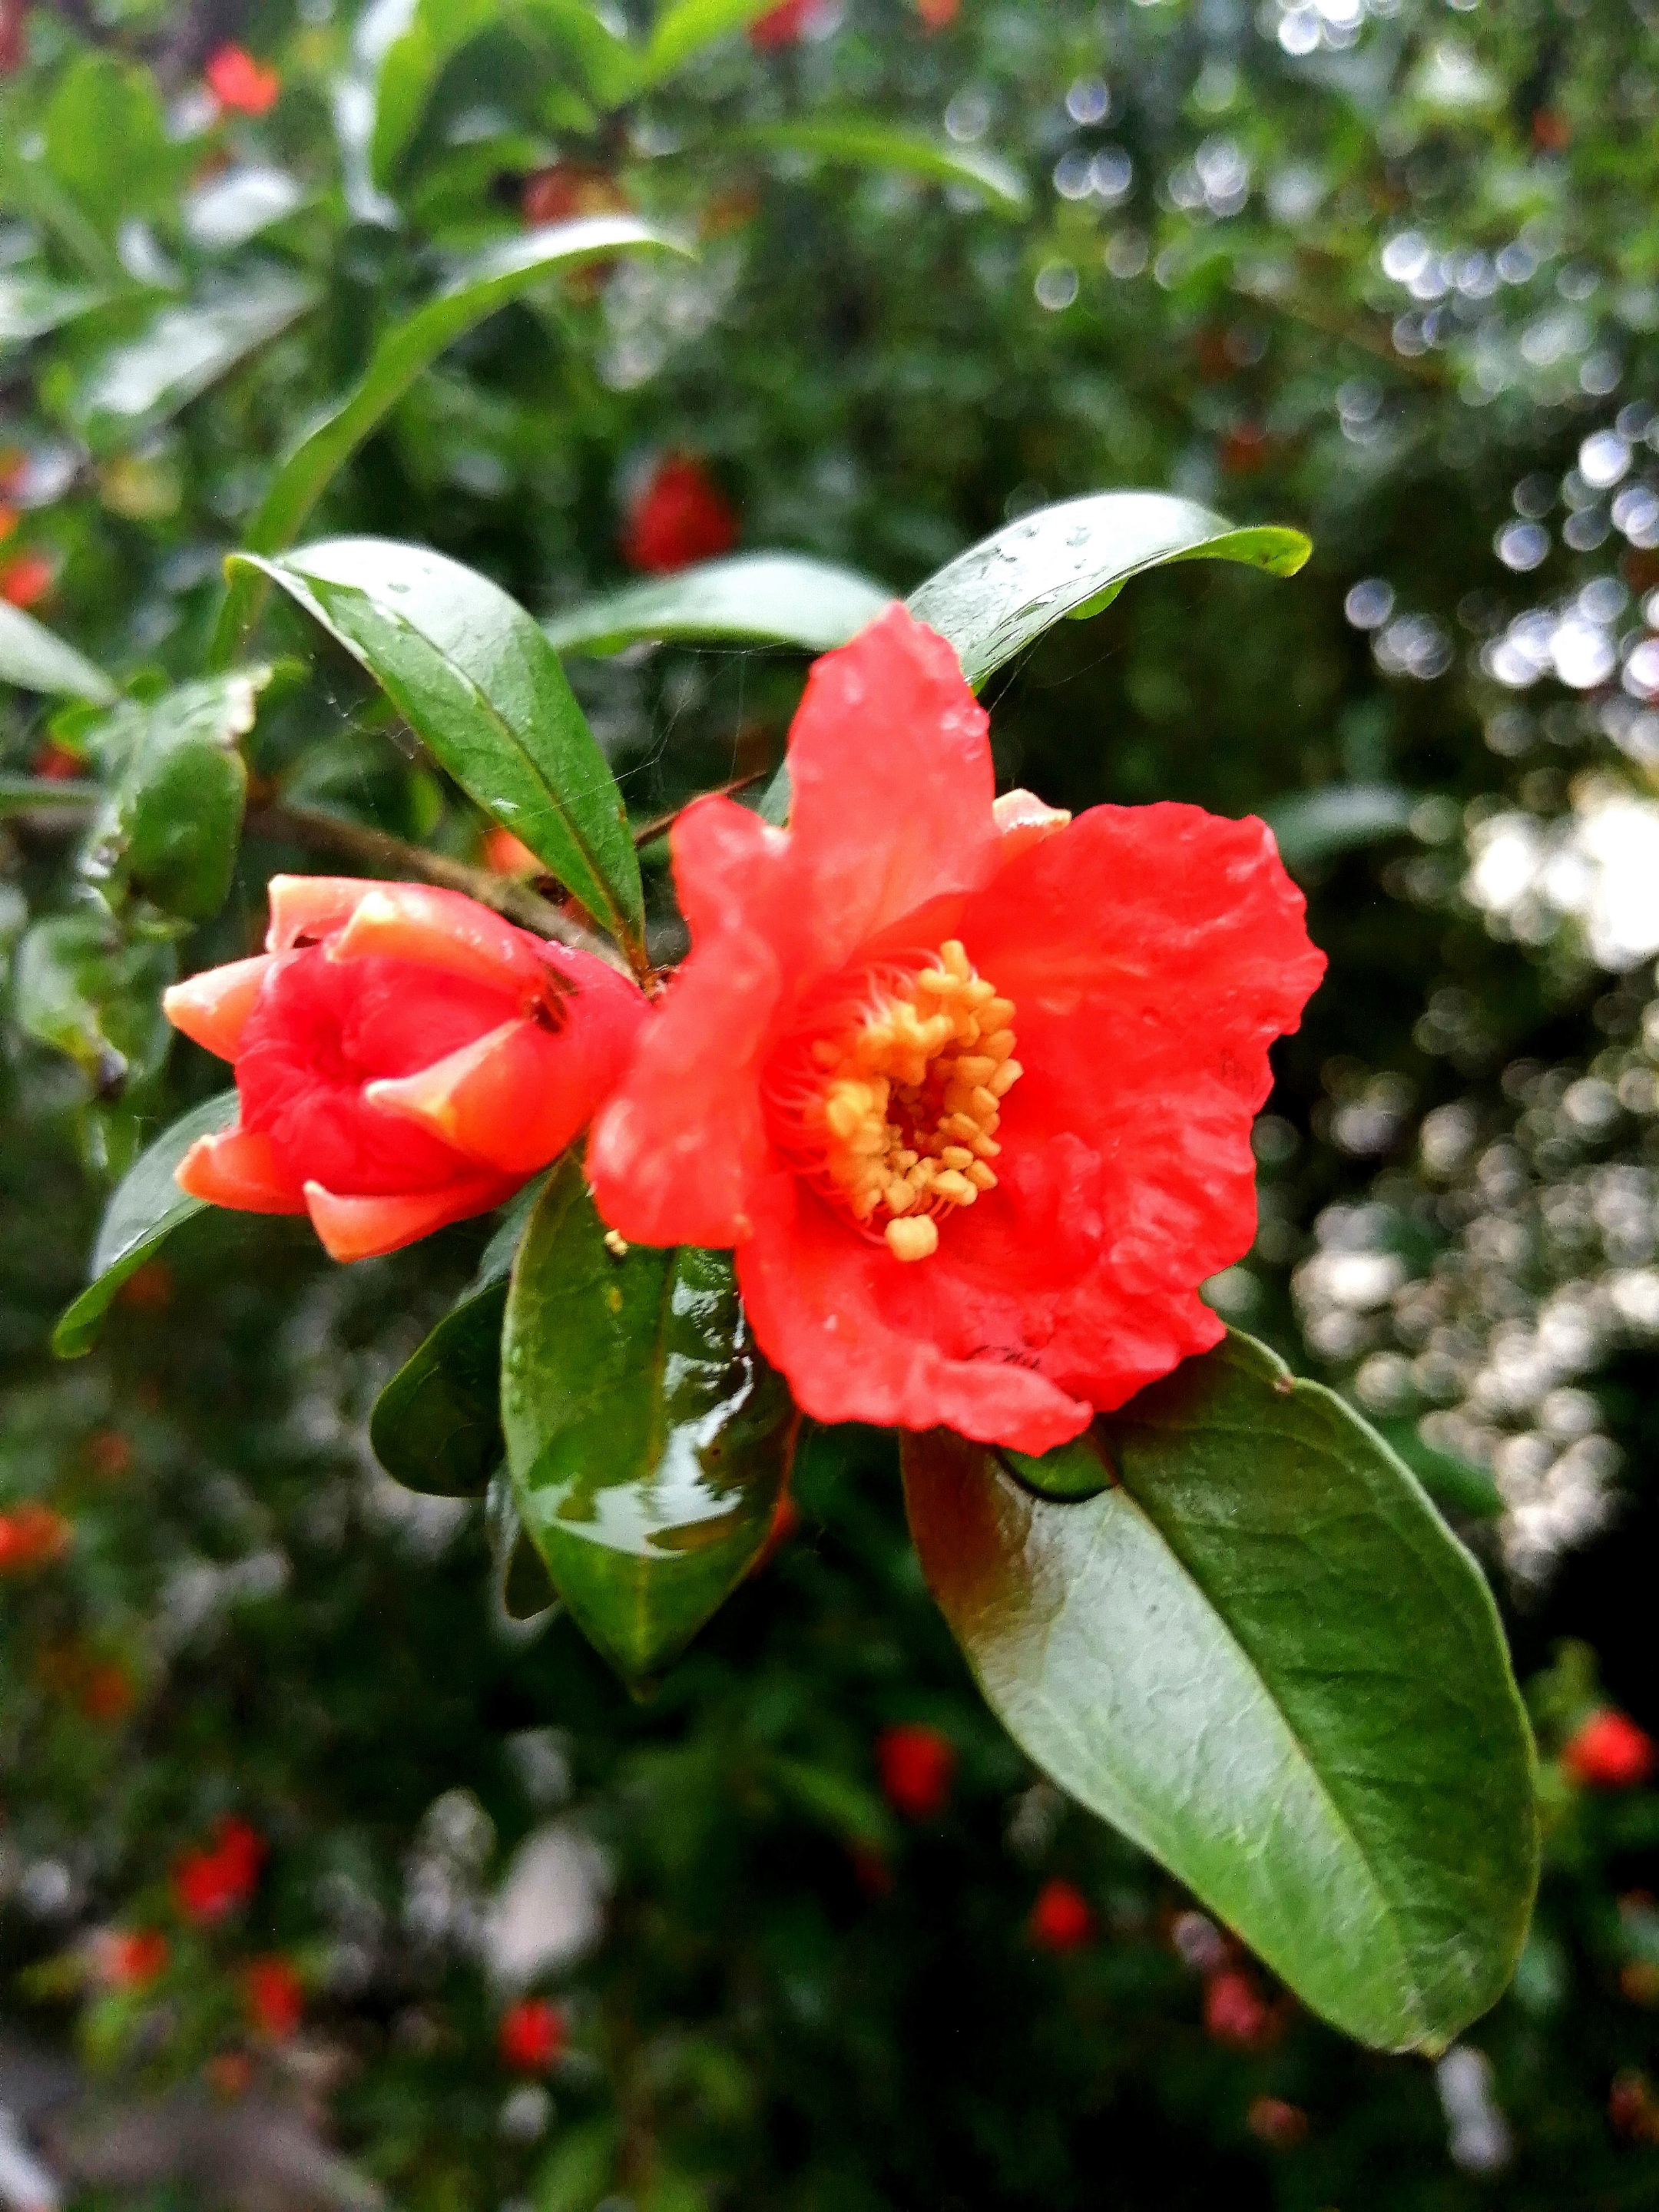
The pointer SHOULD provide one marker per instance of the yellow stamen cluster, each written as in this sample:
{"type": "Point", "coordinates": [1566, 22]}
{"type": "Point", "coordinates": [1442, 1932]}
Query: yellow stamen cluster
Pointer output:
{"type": "Point", "coordinates": [909, 1099]}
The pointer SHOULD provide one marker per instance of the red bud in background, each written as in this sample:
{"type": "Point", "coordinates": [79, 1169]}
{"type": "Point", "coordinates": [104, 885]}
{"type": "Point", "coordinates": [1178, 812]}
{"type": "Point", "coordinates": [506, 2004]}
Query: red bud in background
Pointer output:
{"type": "Point", "coordinates": [1234, 2013]}
{"type": "Point", "coordinates": [916, 1765]}
{"type": "Point", "coordinates": [1609, 1753]}
{"type": "Point", "coordinates": [274, 1998]}
{"type": "Point", "coordinates": [26, 579]}
{"type": "Point", "coordinates": [1063, 1918]}
{"type": "Point", "coordinates": [14, 43]}
{"type": "Point", "coordinates": [128, 1959]}
{"type": "Point", "coordinates": [404, 1057]}
{"type": "Point", "coordinates": [531, 2035]}
{"type": "Point", "coordinates": [678, 515]}
{"type": "Point", "coordinates": [207, 1885]}
{"type": "Point", "coordinates": [237, 81]}
{"type": "Point", "coordinates": [30, 1536]}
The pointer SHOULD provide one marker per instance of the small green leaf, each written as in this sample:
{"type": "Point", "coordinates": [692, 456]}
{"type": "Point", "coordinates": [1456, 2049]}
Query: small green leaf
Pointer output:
{"type": "Point", "coordinates": [488, 281]}
{"type": "Point", "coordinates": [472, 674]}
{"type": "Point", "coordinates": [768, 599]}
{"type": "Point", "coordinates": [1317, 825]}
{"type": "Point", "coordinates": [1079, 1469]}
{"type": "Point", "coordinates": [79, 987]}
{"type": "Point", "coordinates": [35, 661]}
{"type": "Point", "coordinates": [994, 599]}
{"type": "Point", "coordinates": [129, 390]}
{"type": "Point", "coordinates": [171, 824]}
{"type": "Point", "coordinates": [30, 306]}
{"type": "Point", "coordinates": [865, 143]}
{"type": "Point", "coordinates": [105, 141]}
{"type": "Point", "coordinates": [147, 1208]}
{"type": "Point", "coordinates": [436, 1426]}
{"type": "Point", "coordinates": [1264, 1658]}
{"type": "Point", "coordinates": [685, 26]}
{"type": "Point", "coordinates": [647, 1439]}
{"type": "Point", "coordinates": [522, 1582]}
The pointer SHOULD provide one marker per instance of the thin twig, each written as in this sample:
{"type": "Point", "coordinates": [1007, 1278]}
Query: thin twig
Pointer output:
{"type": "Point", "coordinates": [378, 848]}
{"type": "Point", "coordinates": [649, 830]}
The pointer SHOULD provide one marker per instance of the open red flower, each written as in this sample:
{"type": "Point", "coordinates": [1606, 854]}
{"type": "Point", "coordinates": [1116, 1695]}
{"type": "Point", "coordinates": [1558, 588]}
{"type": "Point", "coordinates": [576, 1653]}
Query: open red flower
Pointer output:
{"type": "Point", "coordinates": [917, 1765]}
{"type": "Point", "coordinates": [404, 1057]}
{"type": "Point", "coordinates": [208, 1884]}
{"type": "Point", "coordinates": [236, 80]}
{"type": "Point", "coordinates": [678, 515]}
{"type": "Point", "coordinates": [969, 1086]}
{"type": "Point", "coordinates": [1609, 1752]}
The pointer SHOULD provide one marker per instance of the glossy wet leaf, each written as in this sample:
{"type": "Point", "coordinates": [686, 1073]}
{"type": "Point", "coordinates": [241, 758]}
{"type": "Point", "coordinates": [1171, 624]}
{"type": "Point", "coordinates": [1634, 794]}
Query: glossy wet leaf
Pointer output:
{"type": "Point", "coordinates": [473, 676]}
{"type": "Point", "coordinates": [136, 385]}
{"type": "Point", "coordinates": [226, 211]}
{"type": "Point", "coordinates": [1264, 1658]}
{"type": "Point", "coordinates": [171, 824]}
{"type": "Point", "coordinates": [77, 986]}
{"type": "Point", "coordinates": [522, 1582]}
{"type": "Point", "coordinates": [994, 599]}
{"type": "Point", "coordinates": [1317, 825]}
{"type": "Point", "coordinates": [647, 1438]}
{"type": "Point", "coordinates": [34, 660]}
{"type": "Point", "coordinates": [436, 1426]}
{"type": "Point", "coordinates": [865, 142]}
{"type": "Point", "coordinates": [764, 599]}
{"type": "Point", "coordinates": [30, 306]}
{"type": "Point", "coordinates": [477, 288]}
{"type": "Point", "coordinates": [1079, 1469]}
{"type": "Point", "coordinates": [147, 1208]}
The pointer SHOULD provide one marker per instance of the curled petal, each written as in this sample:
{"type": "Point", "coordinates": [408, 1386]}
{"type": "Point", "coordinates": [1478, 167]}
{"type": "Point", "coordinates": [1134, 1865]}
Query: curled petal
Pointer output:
{"type": "Point", "coordinates": [364, 1228]}
{"type": "Point", "coordinates": [507, 1100]}
{"type": "Point", "coordinates": [212, 1008]}
{"type": "Point", "coordinates": [238, 1168]}
{"type": "Point", "coordinates": [444, 930]}
{"type": "Point", "coordinates": [1023, 820]}
{"type": "Point", "coordinates": [305, 908]}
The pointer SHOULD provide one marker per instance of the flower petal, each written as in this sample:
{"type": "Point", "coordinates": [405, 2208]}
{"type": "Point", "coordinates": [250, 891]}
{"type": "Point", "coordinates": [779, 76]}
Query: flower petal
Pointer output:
{"type": "Point", "coordinates": [444, 930]}
{"type": "Point", "coordinates": [890, 757]}
{"type": "Point", "coordinates": [513, 1100]}
{"type": "Point", "coordinates": [364, 1228]}
{"type": "Point", "coordinates": [1024, 820]}
{"type": "Point", "coordinates": [238, 1168]}
{"type": "Point", "coordinates": [212, 1008]}
{"type": "Point", "coordinates": [308, 907]}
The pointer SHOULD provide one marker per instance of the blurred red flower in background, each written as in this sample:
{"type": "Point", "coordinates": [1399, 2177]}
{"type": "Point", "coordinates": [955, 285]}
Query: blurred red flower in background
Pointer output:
{"type": "Point", "coordinates": [794, 21]}
{"type": "Point", "coordinates": [567, 190]}
{"type": "Point", "coordinates": [1063, 1918]}
{"type": "Point", "coordinates": [404, 1057]}
{"type": "Point", "coordinates": [275, 1997]}
{"type": "Point", "coordinates": [678, 515]}
{"type": "Point", "coordinates": [532, 2035]}
{"type": "Point", "coordinates": [208, 1884]}
{"type": "Point", "coordinates": [826, 1085]}
{"type": "Point", "coordinates": [916, 1765]}
{"type": "Point", "coordinates": [128, 1959]}
{"type": "Point", "coordinates": [26, 579]}
{"type": "Point", "coordinates": [30, 1535]}
{"type": "Point", "coordinates": [938, 14]}
{"type": "Point", "coordinates": [1609, 1753]}
{"type": "Point", "coordinates": [237, 81]}
{"type": "Point", "coordinates": [1234, 2012]}
{"type": "Point", "coordinates": [14, 44]}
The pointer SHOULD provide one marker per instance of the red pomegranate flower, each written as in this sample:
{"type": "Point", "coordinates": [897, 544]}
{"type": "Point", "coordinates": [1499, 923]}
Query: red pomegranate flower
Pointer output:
{"type": "Point", "coordinates": [404, 1057]}
{"type": "Point", "coordinates": [787, 24]}
{"type": "Point", "coordinates": [207, 1885]}
{"type": "Point", "coordinates": [1609, 1753]}
{"type": "Point", "coordinates": [30, 1535]}
{"type": "Point", "coordinates": [26, 579]}
{"type": "Point", "coordinates": [274, 1998]}
{"type": "Point", "coordinates": [236, 80]}
{"type": "Point", "coordinates": [1234, 2013]}
{"type": "Point", "coordinates": [532, 2035]}
{"type": "Point", "coordinates": [130, 1958]}
{"type": "Point", "coordinates": [678, 515]}
{"type": "Point", "coordinates": [969, 1086]}
{"type": "Point", "coordinates": [916, 1763]}
{"type": "Point", "coordinates": [1063, 1919]}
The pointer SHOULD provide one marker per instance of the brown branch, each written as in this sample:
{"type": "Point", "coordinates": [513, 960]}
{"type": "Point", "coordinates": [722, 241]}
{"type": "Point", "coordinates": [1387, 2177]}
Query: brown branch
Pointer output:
{"type": "Point", "coordinates": [379, 849]}
{"type": "Point", "coordinates": [648, 830]}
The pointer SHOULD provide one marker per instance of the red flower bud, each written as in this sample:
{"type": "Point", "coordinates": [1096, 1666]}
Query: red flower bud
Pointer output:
{"type": "Point", "coordinates": [937, 14]}
{"type": "Point", "coordinates": [1609, 1753]}
{"type": "Point", "coordinates": [916, 1763]}
{"type": "Point", "coordinates": [274, 1998]}
{"type": "Point", "coordinates": [30, 1536]}
{"type": "Point", "coordinates": [14, 46]}
{"type": "Point", "coordinates": [1234, 2013]}
{"type": "Point", "coordinates": [404, 1057]}
{"type": "Point", "coordinates": [794, 21]}
{"type": "Point", "coordinates": [679, 515]}
{"type": "Point", "coordinates": [1063, 1918]}
{"type": "Point", "coordinates": [568, 190]}
{"type": "Point", "coordinates": [128, 1959]}
{"type": "Point", "coordinates": [532, 2035]}
{"type": "Point", "coordinates": [26, 579]}
{"type": "Point", "coordinates": [1275, 2122]}
{"type": "Point", "coordinates": [208, 1884]}
{"type": "Point", "coordinates": [237, 81]}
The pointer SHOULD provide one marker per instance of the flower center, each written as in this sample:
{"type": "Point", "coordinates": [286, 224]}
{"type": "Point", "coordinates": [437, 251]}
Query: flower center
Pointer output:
{"type": "Point", "coordinates": [887, 1097]}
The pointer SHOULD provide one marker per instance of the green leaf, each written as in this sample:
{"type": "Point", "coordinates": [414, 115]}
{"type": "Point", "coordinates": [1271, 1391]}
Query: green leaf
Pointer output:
{"type": "Point", "coordinates": [226, 211]}
{"type": "Point", "coordinates": [127, 391]}
{"type": "Point", "coordinates": [436, 1426]}
{"type": "Point", "coordinates": [770, 598]}
{"type": "Point", "coordinates": [38, 795]}
{"type": "Point", "coordinates": [35, 661]}
{"type": "Point", "coordinates": [1317, 825]}
{"type": "Point", "coordinates": [409, 71]}
{"type": "Point", "coordinates": [865, 143]}
{"type": "Point", "coordinates": [484, 283]}
{"type": "Point", "coordinates": [646, 1437]}
{"type": "Point", "coordinates": [994, 599]}
{"type": "Point", "coordinates": [1264, 1658]}
{"type": "Point", "coordinates": [474, 677]}
{"type": "Point", "coordinates": [77, 986]}
{"type": "Point", "coordinates": [171, 824]}
{"type": "Point", "coordinates": [1082, 1469]}
{"type": "Point", "coordinates": [105, 141]}
{"type": "Point", "coordinates": [1455, 1484]}
{"type": "Point", "coordinates": [30, 306]}
{"type": "Point", "coordinates": [147, 1208]}
{"type": "Point", "coordinates": [522, 1582]}
{"type": "Point", "coordinates": [684, 26]}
